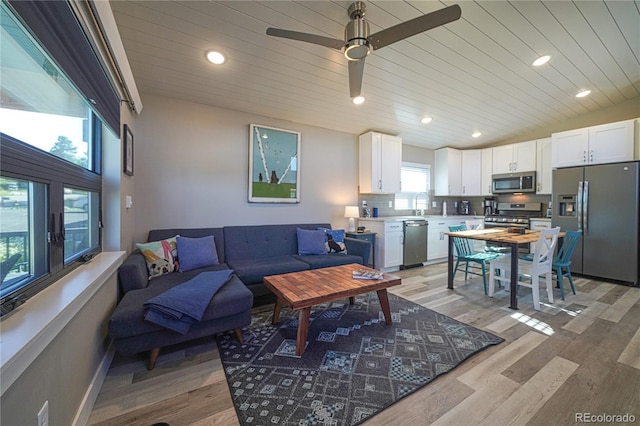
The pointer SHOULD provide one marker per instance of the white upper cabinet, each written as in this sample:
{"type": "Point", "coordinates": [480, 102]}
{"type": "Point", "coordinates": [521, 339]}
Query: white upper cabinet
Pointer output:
{"type": "Point", "coordinates": [448, 173]}
{"type": "Point", "coordinates": [611, 143]}
{"type": "Point", "coordinates": [517, 157]}
{"type": "Point", "coordinates": [606, 143]}
{"type": "Point", "coordinates": [380, 160]}
{"type": "Point", "coordinates": [471, 172]}
{"type": "Point", "coordinates": [543, 166]}
{"type": "Point", "coordinates": [569, 148]}
{"type": "Point", "coordinates": [487, 171]}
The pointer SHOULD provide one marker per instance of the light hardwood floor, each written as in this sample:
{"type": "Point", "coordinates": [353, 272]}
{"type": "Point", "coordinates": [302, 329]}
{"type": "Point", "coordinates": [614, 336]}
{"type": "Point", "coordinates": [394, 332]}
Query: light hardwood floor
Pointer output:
{"type": "Point", "coordinates": [577, 356]}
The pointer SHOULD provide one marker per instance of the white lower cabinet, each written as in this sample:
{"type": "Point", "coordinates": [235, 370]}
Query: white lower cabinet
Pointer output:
{"type": "Point", "coordinates": [393, 245]}
{"type": "Point", "coordinates": [537, 224]}
{"type": "Point", "coordinates": [437, 241]}
{"type": "Point", "coordinates": [389, 242]}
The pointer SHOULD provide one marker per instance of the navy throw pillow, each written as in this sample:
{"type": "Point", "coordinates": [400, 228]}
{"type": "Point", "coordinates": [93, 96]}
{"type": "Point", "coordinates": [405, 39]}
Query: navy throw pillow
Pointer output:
{"type": "Point", "coordinates": [196, 253]}
{"type": "Point", "coordinates": [310, 242]}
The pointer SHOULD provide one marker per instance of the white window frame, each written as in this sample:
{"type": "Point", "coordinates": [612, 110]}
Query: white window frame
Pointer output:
{"type": "Point", "coordinates": [406, 200]}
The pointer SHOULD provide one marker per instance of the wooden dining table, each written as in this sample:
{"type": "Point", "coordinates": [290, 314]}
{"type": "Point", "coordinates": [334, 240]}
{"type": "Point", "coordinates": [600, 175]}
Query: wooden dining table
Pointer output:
{"type": "Point", "coordinates": [496, 235]}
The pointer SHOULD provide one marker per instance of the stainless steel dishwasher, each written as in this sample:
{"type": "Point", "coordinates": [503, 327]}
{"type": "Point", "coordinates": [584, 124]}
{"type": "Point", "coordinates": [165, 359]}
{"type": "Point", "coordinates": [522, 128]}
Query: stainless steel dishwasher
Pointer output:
{"type": "Point", "coordinates": [415, 243]}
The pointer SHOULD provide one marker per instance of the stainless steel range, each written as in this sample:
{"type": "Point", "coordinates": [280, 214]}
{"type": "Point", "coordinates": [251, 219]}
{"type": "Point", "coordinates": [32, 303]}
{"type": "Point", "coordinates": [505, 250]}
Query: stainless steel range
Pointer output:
{"type": "Point", "coordinates": [513, 215]}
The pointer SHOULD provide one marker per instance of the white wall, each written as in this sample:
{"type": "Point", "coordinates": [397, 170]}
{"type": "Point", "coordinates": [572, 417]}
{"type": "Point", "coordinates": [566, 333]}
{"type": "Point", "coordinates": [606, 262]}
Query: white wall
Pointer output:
{"type": "Point", "coordinates": [191, 170]}
{"type": "Point", "coordinates": [64, 371]}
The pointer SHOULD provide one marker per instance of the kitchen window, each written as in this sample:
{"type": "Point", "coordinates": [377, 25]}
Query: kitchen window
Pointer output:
{"type": "Point", "coordinates": [50, 181]}
{"type": "Point", "coordinates": [415, 181]}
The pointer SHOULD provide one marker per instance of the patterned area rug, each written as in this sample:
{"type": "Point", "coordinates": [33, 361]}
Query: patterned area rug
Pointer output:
{"type": "Point", "coordinates": [354, 365]}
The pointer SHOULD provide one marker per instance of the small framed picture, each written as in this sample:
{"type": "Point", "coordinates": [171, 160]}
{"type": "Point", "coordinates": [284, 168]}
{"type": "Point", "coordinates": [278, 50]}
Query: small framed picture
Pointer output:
{"type": "Point", "coordinates": [128, 150]}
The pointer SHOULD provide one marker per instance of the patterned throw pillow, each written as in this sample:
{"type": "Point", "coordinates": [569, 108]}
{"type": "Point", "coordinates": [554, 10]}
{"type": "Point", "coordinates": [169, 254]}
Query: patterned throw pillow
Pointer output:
{"type": "Point", "coordinates": [334, 240]}
{"type": "Point", "coordinates": [161, 256]}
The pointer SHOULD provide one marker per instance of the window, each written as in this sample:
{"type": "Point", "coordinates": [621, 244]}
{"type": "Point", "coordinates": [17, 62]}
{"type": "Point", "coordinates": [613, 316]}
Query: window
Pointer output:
{"type": "Point", "coordinates": [22, 247]}
{"type": "Point", "coordinates": [50, 183]}
{"type": "Point", "coordinates": [414, 187]}
{"type": "Point", "coordinates": [80, 222]}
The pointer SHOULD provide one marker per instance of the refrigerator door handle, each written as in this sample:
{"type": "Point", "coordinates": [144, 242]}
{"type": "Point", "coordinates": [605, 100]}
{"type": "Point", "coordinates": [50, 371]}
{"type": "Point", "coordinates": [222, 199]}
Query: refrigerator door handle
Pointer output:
{"type": "Point", "coordinates": [585, 207]}
{"type": "Point", "coordinates": [579, 205]}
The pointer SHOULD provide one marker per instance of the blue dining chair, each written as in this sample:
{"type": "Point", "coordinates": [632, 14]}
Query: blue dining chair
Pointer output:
{"type": "Point", "coordinates": [562, 262]}
{"type": "Point", "coordinates": [479, 260]}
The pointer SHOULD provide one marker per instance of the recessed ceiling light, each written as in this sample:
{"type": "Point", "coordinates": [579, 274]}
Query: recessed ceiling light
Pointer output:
{"type": "Point", "coordinates": [426, 120]}
{"type": "Point", "coordinates": [583, 93]}
{"type": "Point", "coordinates": [541, 60]}
{"type": "Point", "coordinates": [476, 135]}
{"type": "Point", "coordinates": [215, 57]}
{"type": "Point", "coordinates": [358, 100]}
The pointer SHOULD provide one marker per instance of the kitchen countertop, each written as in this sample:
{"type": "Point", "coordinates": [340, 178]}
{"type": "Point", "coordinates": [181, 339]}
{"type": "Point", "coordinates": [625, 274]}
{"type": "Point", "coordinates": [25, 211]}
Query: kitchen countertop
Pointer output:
{"type": "Point", "coordinates": [425, 217]}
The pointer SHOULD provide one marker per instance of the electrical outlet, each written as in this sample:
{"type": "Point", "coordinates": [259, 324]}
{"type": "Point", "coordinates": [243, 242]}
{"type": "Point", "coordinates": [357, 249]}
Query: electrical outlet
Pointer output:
{"type": "Point", "coordinates": [43, 415]}
{"type": "Point", "coordinates": [364, 203]}
{"type": "Point", "coordinates": [434, 204]}
{"type": "Point", "coordinates": [390, 204]}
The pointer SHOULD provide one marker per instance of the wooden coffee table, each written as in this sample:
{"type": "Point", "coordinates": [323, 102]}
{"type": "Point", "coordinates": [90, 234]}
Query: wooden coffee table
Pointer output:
{"type": "Point", "coordinates": [302, 290]}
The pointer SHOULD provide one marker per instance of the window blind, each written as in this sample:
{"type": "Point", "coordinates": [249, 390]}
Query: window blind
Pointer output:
{"type": "Point", "coordinates": [55, 26]}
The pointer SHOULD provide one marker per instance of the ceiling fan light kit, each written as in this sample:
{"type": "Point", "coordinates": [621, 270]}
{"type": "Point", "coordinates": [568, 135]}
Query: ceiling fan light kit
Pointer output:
{"type": "Point", "coordinates": [356, 33]}
{"type": "Point", "coordinates": [357, 43]}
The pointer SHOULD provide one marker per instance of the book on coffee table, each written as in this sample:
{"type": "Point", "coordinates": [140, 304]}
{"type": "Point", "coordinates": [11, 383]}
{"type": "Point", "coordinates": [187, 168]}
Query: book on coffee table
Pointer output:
{"type": "Point", "coordinates": [365, 274]}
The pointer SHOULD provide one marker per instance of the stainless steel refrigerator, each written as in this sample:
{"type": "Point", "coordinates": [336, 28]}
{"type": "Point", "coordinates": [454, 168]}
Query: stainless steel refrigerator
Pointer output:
{"type": "Point", "coordinates": [604, 201]}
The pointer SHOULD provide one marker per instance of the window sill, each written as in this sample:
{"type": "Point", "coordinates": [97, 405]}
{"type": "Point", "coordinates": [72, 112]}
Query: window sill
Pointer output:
{"type": "Point", "coordinates": [27, 331]}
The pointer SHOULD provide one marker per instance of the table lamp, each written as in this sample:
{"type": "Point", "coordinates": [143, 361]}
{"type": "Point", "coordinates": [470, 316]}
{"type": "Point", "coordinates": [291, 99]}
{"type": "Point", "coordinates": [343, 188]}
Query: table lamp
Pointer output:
{"type": "Point", "coordinates": [352, 212]}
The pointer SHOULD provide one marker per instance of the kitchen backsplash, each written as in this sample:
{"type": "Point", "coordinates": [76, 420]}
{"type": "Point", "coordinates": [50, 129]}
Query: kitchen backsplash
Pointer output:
{"type": "Point", "coordinates": [382, 202]}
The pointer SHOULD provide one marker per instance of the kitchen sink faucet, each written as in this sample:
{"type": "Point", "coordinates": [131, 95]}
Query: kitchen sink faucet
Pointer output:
{"type": "Point", "coordinates": [420, 212]}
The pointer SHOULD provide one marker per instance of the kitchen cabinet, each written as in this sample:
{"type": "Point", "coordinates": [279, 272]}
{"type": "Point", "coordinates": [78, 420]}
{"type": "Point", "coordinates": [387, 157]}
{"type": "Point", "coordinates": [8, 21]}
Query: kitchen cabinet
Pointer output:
{"type": "Point", "coordinates": [389, 242]}
{"type": "Point", "coordinates": [537, 224]}
{"type": "Point", "coordinates": [437, 241]}
{"type": "Point", "coordinates": [471, 172]}
{"type": "Point", "coordinates": [447, 178]}
{"type": "Point", "coordinates": [380, 160]}
{"type": "Point", "coordinates": [486, 171]}
{"type": "Point", "coordinates": [517, 157]}
{"type": "Point", "coordinates": [543, 166]}
{"type": "Point", "coordinates": [606, 143]}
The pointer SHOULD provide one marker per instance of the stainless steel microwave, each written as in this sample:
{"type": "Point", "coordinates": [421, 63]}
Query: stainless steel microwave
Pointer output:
{"type": "Point", "coordinates": [509, 183]}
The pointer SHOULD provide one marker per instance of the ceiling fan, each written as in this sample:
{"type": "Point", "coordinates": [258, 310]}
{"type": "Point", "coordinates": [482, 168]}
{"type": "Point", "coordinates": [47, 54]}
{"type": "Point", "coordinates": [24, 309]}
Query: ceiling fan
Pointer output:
{"type": "Point", "coordinates": [357, 42]}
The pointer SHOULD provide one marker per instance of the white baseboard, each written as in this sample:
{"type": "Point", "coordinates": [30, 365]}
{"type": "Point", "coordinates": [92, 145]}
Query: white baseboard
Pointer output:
{"type": "Point", "coordinates": [90, 397]}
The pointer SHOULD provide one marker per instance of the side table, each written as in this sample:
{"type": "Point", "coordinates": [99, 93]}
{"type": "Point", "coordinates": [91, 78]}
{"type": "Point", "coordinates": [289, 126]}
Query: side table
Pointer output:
{"type": "Point", "coordinates": [367, 236]}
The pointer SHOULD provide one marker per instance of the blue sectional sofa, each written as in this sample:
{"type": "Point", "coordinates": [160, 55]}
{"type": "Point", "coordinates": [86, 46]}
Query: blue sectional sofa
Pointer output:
{"type": "Point", "coordinates": [252, 252]}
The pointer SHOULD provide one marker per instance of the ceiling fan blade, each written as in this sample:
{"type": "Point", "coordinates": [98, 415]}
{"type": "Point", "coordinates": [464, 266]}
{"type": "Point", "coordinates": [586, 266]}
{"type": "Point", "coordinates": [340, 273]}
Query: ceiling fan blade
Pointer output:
{"type": "Point", "coordinates": [415, 26]}
{"type": "Point", "coordinates": [333, 43]}
{"type": "Point", "coordinates": [356, 70]}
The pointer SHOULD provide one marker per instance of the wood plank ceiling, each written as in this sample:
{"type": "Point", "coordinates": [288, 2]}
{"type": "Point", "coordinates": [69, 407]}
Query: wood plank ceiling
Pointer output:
{"type": "Point", "coordinates": [474, 74]}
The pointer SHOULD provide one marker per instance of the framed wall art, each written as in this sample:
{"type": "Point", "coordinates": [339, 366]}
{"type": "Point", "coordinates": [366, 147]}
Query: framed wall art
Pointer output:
{"type": "Point", "coordinates": [127, 150]}
{"type": "Point", "coordinates": [274, 165]}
